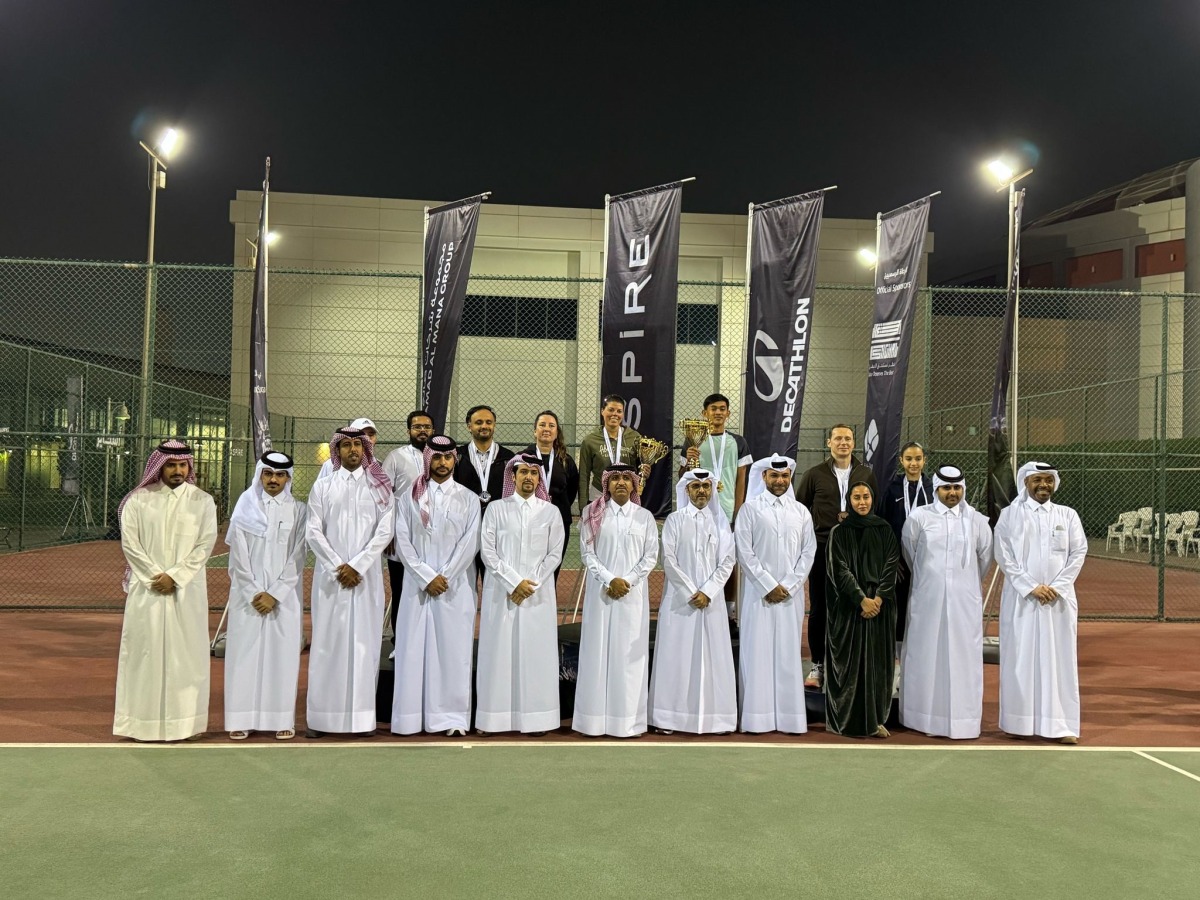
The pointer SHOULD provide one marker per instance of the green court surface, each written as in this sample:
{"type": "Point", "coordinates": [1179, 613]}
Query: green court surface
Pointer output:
{"type": "Point", "coordinates": [596, 820]}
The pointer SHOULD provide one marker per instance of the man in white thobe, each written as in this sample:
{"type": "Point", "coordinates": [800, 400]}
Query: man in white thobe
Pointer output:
{"type": "Point", "coordinates": [363, 424]}
{"type": "Point", "coordinates": [267, 552]}
{"type": "Point", "coordinates": [1040, 546]}
{"type": "Point", "coordinates": [349, 525]}
{"type": "Point", "coordinates": [168, 528]}
{"type": "Point", "coordinates": [776, 545]}
{"type": "Point", "coordinates": [948, 548]}
{"type": "Point", "coordinates": [521, 545]}
{"type": "Point", "coordinates": [437, 535]}
{"type": "Point", "coordinates": [403, 466]}
{"type": "Point", "coordinates": [619, 541]}
{"type": "Point", "coordinates": [692, 682]}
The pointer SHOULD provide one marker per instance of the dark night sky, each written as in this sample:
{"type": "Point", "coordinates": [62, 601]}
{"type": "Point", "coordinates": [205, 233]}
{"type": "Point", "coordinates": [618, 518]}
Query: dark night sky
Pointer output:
{"type": "Point", "coordinates": [556, 104]}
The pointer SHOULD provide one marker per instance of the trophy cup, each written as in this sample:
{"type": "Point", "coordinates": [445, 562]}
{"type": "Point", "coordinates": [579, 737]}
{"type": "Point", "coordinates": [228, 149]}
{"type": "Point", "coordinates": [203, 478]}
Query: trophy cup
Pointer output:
{"type": "Point", "coordinates": [694, 433]}
{"type": "Point", "coordinates": [650, 451]}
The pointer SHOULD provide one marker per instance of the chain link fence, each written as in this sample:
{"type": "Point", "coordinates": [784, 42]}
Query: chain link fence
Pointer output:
{"type": "Point", "coordinates": [1108, 390]}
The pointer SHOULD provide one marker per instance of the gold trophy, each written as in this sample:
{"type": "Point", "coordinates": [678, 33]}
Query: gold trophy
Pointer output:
{"type": "Point", "coordinates": [695, 431]}
{"type": "Point", "coordinates": [650, 451]}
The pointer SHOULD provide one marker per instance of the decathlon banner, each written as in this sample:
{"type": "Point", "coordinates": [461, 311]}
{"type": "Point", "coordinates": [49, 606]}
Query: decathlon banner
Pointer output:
{"type": "Point", "coordinates": [260, 417]}
{"type": "Point", "coordinates": [641, 286]}
{"type": "Point", "coordinates": [1001, 483]}
{"type": "Point", "coordinates": [783, 275]}
{"type": "Point", "coordinates": [900, 242]}
{"type": "Point", "coordinates": [449, 242]}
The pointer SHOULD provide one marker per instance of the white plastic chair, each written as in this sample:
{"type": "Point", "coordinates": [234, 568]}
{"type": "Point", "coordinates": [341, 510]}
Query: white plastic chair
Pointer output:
{"type": "Point", "coordinates": [1186, 533]}
{"type": "Point", "coordinates": [1121, 530]}
{"type": "Point", "coordinates": [1144, 530]}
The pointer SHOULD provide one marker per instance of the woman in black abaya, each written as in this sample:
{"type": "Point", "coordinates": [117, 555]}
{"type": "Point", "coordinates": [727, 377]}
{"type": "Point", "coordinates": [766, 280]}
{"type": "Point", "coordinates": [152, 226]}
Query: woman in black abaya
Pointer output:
{"type": "Point", "coordinates": [861, 588]}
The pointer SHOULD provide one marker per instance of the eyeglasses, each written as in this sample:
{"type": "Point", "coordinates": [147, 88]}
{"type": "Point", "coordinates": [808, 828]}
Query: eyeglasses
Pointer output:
{"type": "Point", "coordinates": [420, 428]}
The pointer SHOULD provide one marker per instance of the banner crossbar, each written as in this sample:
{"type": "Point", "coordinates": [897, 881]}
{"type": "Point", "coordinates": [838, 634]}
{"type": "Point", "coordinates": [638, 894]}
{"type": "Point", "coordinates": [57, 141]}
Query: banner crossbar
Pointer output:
{"type": "Point", "coordinates": [652, 190]}
{"type": "Point", "coordinates": [907, 206]}
{"type": "Point", "coordinates": [429, 210]}
{"type": "Point", "coordinates": [795, 198]}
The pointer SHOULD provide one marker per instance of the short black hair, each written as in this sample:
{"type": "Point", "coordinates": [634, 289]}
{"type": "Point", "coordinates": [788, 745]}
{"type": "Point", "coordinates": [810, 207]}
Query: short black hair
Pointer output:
{"type": "Point", "coordinates": [611, 398]}
{"type": "Point", "coordinates": [421, 412]}
{"type": "Point", "coordinates": [475, 409]}
{"type": "Point", "coordinates": [834, 428]}
{"type": "Point", "coordinates": [715, 398]}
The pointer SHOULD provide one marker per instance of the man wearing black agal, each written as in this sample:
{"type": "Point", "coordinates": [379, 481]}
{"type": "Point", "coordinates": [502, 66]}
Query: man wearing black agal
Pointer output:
{"type": "Point", "coordinates": [823, 489]}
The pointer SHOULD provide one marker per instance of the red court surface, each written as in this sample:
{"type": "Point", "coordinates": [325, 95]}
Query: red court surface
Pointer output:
{"type": "Point", "coordinates": [1140, 687]}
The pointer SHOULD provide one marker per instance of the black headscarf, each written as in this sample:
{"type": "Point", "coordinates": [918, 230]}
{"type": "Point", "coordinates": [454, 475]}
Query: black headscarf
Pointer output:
{"type": "Point", "coordinates": [854, 519]}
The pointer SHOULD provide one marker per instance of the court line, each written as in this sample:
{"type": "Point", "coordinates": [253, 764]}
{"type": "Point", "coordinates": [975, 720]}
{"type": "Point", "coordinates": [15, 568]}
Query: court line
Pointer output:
{"type": "Point", "coordinates": [1167, 765]}
{"type": "Point", "coordinates": [647, 745]}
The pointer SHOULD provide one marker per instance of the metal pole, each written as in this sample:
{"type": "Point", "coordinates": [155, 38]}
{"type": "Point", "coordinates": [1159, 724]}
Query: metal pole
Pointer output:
{"type": "Point", "coordinates": [1016, 354]}
{"type": "Point", "coordinates": [107, 457]}
{"type": "Point", "coordinates": [144, 415]}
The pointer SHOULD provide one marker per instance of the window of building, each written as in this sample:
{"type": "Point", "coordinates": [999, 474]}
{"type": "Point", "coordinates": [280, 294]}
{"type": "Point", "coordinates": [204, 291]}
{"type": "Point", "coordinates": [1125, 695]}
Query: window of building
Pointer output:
{"type": "Point", "coordinates": [696, 323]}
{"type": "Point", "coordinates": [1095, 268]}
{"type": "Point", "coordinates": [534, 318]}
{"type": "Point", "coordinates": [1162, 258]}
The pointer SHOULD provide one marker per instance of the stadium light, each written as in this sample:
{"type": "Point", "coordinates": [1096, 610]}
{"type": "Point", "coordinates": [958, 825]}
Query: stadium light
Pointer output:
{"type": "Point", "coordinates": [867, 257]}
{"type": "Point", "coordinates": [1006, 179]}
{"type": "Point", "coordinates": [156, 176]}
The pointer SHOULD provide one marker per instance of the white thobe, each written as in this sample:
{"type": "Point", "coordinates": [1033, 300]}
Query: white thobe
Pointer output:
{"type": "Point", "coordinates": [614, 647]}
{"type": "Point", "coordinates": [403, 466]}
{"type": "Point", "coordinates": [163, 666]}
{"type": "Point", "coordinates": [692, 682]}
{"type": "Point", "coordinates": [1036, 544]}
{"type": "Point", "coordinates": [347, 523]}
{"type": "Point", "coordinates": [435, 635]}
{"type": "Point", "coordinates": [776, 545]}
{"type": "Point", "coordinates": [517, 673]}
{"type": "Point", "coordinates": [948, 552]}
{"type": "Point", "coordinates": [262, 653]}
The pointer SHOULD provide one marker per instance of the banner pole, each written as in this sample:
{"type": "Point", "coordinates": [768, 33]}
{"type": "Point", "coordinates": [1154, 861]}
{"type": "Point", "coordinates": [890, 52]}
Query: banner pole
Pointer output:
{"type": "Point", "coordinates": [603, 289]}
{"type": "Point", "coordinates": [1015, 284]}
{"type": "Point", "coordinates": [746, 373]}
{"type": "Point", "coordinates": [421, 316]}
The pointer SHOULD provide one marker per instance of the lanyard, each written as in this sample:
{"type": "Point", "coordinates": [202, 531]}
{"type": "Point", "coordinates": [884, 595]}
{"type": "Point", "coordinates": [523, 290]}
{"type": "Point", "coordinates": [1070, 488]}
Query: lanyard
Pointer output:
{"type": "Point", "coordinates": [719, 461]}
{"type": "Point", "coordinates": [613, 460]}
{"type": "Point", "coordinates": [920, 495]}
{"type": "Point", "coordinates": [486, 469]}
{"type": "Point", "coordinates": [550, 468]}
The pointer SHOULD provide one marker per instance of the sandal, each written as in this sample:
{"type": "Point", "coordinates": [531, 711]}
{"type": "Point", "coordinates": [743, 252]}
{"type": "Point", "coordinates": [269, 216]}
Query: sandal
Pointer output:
{"type": "Point", "coordinates": [286, 735]}
{"type": "Point", "coordinates": [882, 732]}
{"type": "Point", "coordinates": [238, 735]}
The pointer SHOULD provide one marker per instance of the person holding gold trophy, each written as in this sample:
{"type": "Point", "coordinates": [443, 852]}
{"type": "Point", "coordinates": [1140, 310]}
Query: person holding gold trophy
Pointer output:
{"type": "Point", "coordinates": [708, 445]}
{"type": "Point", "coordinates": [610, 444]}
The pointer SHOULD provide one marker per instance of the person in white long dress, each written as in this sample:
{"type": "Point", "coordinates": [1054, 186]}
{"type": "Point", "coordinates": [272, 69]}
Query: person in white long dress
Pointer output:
{"type": "Point", "coordinates": [168, 528]}
{"type": "Point", "coordinates": [692, 683]}
{"type": "Point", "coordinates": [521, 545]}
{"type": "Point", "coordinates": [619, 541]}
{"type": "Point", "coordinates": [1040, 546]}
{"type": "Point", "coordinates": [363, 424]}
{"type": "Point", "coordinates": [948, 548]}
{"type": "Point", "coordinates": [437, 535]}
{"type": "Point", "coordinates": [267, 551]}
{"type": "Point", "coordinates": [403, 466]}
{"type": "Point", "coordinates": [776, 545]}
{"type": "Point", "coordinates": [349, 525]}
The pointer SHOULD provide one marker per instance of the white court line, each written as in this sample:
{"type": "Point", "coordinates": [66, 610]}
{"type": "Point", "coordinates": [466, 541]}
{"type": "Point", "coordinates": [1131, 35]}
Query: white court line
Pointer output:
{"type": "Point", "coordinates": [658, 745]}
{"type": "Point", "coordinates": [1167, 765]}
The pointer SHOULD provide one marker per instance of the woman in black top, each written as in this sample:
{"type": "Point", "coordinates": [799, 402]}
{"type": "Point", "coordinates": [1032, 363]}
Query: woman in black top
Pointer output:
{"type": "Point", "coordinates": [904, 494]}
{"type": "Point", "coordinates": [562, 475]}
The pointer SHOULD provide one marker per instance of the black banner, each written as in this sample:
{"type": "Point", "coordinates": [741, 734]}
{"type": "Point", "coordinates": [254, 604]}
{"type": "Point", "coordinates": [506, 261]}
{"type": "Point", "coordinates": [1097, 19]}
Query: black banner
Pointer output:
{"type": "Point", "coordinates": [641, 286]}
{"type": "Point", "coordinates": [783, 276]}
{"type": "Point", "coordinates": [259, 416]}
{"type": "Point", "coordinates": [449, 243]}
{"type": "Point", "coordinates": [900, 239]}
{"type": "Point", "coordinates": [1001, 485]}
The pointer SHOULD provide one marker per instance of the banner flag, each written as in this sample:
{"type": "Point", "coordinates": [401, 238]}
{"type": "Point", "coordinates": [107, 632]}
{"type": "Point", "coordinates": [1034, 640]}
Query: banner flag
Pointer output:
{"type": "Point", "coordinates": [449, 243]}
{"type": "Point", "coordinates": [259, 415]}
{"type": "Point", "coordinates": [782, 280]}
{"type": "Point", "coordinates": [1001, 484]}
{"type": "Point", "coordinates": [641, 287]}
{"type": "Point", "coordinates": [900, 244]}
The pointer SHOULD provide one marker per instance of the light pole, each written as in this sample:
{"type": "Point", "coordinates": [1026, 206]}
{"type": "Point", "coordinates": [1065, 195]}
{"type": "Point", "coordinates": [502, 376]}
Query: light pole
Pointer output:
{"type": "Point", "coordinates": [1007, 178]}
{"type": "Point", "coordinates": [157, 178]}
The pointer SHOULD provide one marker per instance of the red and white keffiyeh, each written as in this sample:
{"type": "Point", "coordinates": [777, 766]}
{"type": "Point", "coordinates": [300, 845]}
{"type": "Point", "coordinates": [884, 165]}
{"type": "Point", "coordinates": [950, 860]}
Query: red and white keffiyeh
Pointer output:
{"type": "Point", "coordinates": [510, 476]}
{"type": "Point", "coordinates": [593, 514]}
{"type": "Point", "coordinates": [163, 453]}
{"type": "Point", "coordinates": [439, 443]}
{"type": "Point", "coordinates": [376, 477]}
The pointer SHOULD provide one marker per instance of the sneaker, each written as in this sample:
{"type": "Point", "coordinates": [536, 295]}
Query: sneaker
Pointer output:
{"type": "Point", "coordinates": [815, 676]}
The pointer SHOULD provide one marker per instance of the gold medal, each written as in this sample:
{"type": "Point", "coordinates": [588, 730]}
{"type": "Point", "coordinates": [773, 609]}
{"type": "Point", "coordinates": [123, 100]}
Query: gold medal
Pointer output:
{"type": "Point", "coordinates": [720, 486]}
